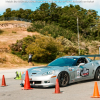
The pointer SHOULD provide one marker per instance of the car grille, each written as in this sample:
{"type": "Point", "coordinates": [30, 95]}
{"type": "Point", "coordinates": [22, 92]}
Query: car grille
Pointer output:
{"type": "Point", "coordinates": [36, 82]}
{"type": "Point", "coordinates": [33, 73]}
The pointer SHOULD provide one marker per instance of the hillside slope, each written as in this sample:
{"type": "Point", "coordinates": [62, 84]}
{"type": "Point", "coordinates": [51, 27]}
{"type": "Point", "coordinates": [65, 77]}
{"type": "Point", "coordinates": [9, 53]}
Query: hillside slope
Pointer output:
{"type": "Point", "coordinates": [10, 32]}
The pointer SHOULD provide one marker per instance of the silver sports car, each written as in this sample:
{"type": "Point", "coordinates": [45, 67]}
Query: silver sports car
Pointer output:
{"type": "Point", "coordinates": [67, 69]}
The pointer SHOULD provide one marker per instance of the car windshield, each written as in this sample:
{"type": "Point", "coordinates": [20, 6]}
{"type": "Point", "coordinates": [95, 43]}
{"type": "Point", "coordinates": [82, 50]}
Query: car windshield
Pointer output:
{"type": "Point", "coordinates": [63, 62]}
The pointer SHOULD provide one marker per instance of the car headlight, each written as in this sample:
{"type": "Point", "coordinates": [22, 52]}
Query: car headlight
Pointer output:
{"type": "Point", "coordinates": [48, 73]}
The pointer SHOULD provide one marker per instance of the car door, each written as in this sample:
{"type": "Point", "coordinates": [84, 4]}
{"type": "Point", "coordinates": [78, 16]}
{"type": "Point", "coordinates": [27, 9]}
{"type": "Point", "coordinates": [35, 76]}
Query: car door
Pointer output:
{"type": "Point", "coordinates": [85, 71]}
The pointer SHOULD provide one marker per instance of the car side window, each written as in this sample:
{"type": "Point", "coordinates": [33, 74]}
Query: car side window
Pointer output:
{"type": "Point", "coordinates": [84, 60]}
{"type": "Point", "coordinates": [81, 60]}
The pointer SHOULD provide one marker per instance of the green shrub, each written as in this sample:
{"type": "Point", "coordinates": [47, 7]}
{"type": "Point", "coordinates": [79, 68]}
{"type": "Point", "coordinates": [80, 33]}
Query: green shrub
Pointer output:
{"type": "Point", "coordinates": [36, 26]}
{"type": "Point", "coordinates": [1, 31]}
{"type": "Point", "coordinates": [13, 32]}
{"type": "Point", "coordinates": [44, 49]}
{"type": "Point", "coordinates": [57, 31]}
{"type": "Point", "coordinates": [24, 57]}
{"type": "Point", "coordinates": [71, 50]}
{"type": "Point", "coordinates": [19, 47]}
{"type": "Point", "coordinates": [52, 29]}
{"type": "Point", "coordinates": [65, 42]}
{"type": "Point", "coordinates": [31, 29]}
{"type": "Point", "coordinates": [84, 51]}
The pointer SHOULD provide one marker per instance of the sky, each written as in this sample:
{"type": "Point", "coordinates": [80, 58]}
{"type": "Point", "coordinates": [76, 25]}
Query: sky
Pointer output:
{"type": "Point", "coordinates": [34, 4]}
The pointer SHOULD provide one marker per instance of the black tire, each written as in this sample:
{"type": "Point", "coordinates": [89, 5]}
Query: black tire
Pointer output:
{"type": "Point", "coordinates": [63, 78]}
{"type": "Point", "coordinates": [97, 74]}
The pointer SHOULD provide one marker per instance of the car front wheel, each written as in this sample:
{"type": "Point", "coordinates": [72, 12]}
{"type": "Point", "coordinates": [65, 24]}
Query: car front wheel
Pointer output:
{"type": "Point", "coordinates": [63, 78]}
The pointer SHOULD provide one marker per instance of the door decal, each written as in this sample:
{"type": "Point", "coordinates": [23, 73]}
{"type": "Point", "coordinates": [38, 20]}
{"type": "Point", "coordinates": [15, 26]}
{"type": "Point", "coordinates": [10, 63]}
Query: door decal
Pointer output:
{"type": "Point", "coordinates": [71, 69]}
{"type": "Point", "coordinates": [84, 72]}
{"type": "Point", "coordinates": [78, 73]}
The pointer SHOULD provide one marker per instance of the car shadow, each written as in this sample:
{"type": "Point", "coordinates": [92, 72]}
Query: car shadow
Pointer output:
{"type": "Point", "coordinates": [81, 82]}
{"type": "Point", "coordinates": [40, 87]}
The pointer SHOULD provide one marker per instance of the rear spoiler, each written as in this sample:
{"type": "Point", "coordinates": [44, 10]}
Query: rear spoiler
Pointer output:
{"type": "Point", "coordinates": [97, 55]}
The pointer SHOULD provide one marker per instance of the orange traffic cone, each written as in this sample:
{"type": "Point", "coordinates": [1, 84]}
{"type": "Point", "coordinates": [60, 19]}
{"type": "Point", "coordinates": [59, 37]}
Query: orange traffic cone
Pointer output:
{"type": "Point", "coordinates": [3, 81]}
{"type": "Point", "coordinates": [57, 89]}
{"type": "Point", "coordinates": [96, 91]}
{"type": "Point", "coordinates": [27, 83]}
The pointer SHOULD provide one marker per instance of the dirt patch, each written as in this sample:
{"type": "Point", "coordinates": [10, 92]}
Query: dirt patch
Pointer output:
{"type": "Point", "coordinates": [9, 39]}
{"type": "Point", "coordinates": [11, 35]}
{"type": "Point", "coordinates": [13, 24]}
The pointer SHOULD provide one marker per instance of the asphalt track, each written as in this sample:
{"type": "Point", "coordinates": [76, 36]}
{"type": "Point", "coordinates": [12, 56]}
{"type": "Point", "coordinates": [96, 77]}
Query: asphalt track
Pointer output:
{"type": "Point", "coordinates": [76, 91]}
{"type": "Point", "coordinates": [10, 73]}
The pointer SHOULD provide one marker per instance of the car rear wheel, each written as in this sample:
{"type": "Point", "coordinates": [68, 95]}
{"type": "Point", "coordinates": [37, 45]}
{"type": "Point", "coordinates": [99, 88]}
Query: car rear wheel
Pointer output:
{"type": "Point", "coordinates": [63, 78]}
{"type": "Point", "coordinates": [97, 74]}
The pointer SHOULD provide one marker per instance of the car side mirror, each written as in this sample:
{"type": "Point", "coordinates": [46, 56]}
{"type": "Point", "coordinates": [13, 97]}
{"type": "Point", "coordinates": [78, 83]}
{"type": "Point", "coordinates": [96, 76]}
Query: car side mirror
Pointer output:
{"type": "Point", "coordinates": [81, 64]}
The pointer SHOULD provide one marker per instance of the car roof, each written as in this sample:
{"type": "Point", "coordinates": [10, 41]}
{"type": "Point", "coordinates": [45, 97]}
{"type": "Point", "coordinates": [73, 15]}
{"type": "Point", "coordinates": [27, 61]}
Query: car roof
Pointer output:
{"type": "Point", "coordinates": [72, 56]}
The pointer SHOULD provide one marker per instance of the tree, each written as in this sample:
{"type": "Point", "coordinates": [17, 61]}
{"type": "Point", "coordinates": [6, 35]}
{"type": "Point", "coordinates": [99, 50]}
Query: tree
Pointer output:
{"type": "Point", "coordinates": [7, 13]}
{"type": "Point", "coordinates": [54, 12]}
{"type": "Point", "coordinates": [44, 7]}
{"type": "Point", "coordinates": [44, 49]}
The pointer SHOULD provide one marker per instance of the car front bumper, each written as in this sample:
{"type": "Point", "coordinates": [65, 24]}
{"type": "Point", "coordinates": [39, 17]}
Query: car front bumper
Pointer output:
{"type": "Point", "coordinates": [41, 81]}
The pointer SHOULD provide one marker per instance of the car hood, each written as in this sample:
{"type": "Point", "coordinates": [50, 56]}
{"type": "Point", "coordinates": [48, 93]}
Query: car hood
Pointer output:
{"type": "Point", "coordinates": [42, 69]}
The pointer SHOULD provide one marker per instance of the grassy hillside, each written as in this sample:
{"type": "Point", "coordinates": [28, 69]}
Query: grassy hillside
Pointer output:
{"type": "Point", "coordinates": [9, 36]}
{"type": "Point", "coordinates": [52, 33]}
{"type": "Point", "coordinates": [53, 37]}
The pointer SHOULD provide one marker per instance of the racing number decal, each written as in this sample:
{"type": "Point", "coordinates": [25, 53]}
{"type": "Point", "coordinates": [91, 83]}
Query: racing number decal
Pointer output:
{"type": "Point", "coordinates": [84, 72]}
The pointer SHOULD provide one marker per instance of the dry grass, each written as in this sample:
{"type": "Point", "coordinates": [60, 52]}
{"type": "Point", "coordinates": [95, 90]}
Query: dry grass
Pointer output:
{"type": "Point", "coordinates": [13, 61]}
{"type": "Point", "coordinates": [9, 36]}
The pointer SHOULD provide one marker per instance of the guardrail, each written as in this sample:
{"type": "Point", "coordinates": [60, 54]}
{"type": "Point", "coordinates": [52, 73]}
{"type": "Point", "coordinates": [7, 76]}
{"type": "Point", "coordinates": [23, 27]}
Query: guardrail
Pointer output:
{"type": "Point", "coordinates": [14, 18]}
